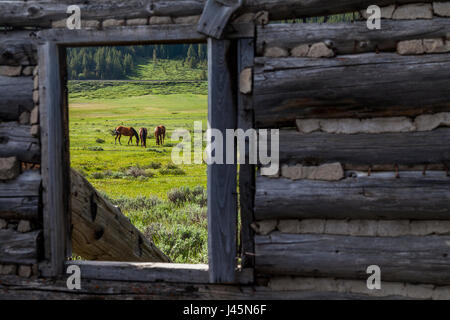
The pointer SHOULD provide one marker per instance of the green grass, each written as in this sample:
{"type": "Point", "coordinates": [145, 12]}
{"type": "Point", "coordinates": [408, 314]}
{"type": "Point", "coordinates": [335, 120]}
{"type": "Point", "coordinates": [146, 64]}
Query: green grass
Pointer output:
{"type": "Point", "coordinates": [139, 179]}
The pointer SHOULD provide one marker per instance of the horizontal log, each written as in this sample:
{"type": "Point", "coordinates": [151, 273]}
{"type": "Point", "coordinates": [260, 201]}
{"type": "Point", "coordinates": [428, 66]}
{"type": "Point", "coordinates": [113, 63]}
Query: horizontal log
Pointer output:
{"type": "Point", "coordinates": [360, 85]}
{"type": "Point", "coordinates": [19, 208]}
{"type": "Point", "coordinates": [16, 140]}
{"type": "Point", "coordinates": [401, 148]}
{"type": "Point", "coordinates": [12, 287]}
{"type": "Point", "coordinates": [101, 232]}
{"type": "Point", "coordinates": [148, 272]}
{"type": "Point", "coordinates": [25, 185]}
{"type": "Point", "coordinates": [378, 196]}
{"type": "Point", "coordinates": [151, 272]}
{"type": "Point", "coordinates": [41, 13]}
{"type": "Point", "coordinates": [409, 258]}
{"type": "Point", "coordinates": [19, 248]}
{"type": "Point", "coordinates": [346, 38]}
{"type": "Point", "coordinates": [16, 97]}
{"type": "Point", "coordinates": [170, 33]}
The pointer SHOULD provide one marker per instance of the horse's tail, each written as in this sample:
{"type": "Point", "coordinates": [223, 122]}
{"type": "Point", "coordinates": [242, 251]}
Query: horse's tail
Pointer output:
{"type": "Point", "coordinates": [145, 134]}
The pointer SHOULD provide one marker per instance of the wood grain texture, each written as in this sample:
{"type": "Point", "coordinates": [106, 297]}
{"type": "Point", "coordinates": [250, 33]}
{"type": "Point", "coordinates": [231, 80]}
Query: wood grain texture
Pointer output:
{"type": "Point", "coordinates": [405, 148]}
{"type": "Point", "coordinates": [247, 171]}
{"type": "Point", "coordinates": [16, 97]}
{"type": "Point", "coordinates": [143, 272]}
{"type": "Point", "coordinates": [215, 16]}
{"type": "Point", "coordinates": [152, 272]}
{"type": "Point", "coordinates": [409, 258]}
{"type": "Point", "coordinates": [12, 287]}
{"type": "Point", "coordinates": [171, 33]}
{"type": "Point", "coordinates": [25, 185]}
{"type": "Point", "coordinates": [100, 231]}
{"type": "Point", "coordinates": [41, 13]}
{"type": "Point", "coordinates": [360, 85]}
{"type": "Point", "coordinates": [16, 140]}
{"type": "Point", "coordinates": [222, 184]}
{"type": "Point", "coordinates": [379, 196]}
{"type": "Point", "coordinates": [54, 166]}
{"type": "Point", "coordinates": [19, 208]}
{"type": "Point", "coordinates": [19, 248]}
{"type": "Point", "coordinates": [348, 38]}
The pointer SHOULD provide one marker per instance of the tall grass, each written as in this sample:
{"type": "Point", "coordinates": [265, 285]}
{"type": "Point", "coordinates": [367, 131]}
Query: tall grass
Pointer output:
{"type": "Point", "coordinates": [178, 226]}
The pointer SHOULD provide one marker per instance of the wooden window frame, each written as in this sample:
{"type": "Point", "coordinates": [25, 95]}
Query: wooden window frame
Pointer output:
{"type": "Point", "coordinates": [222, 114]}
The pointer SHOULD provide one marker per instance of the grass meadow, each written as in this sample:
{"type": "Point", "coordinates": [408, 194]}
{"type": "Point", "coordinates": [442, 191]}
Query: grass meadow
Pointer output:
{"type": "Point", "coordinates": [167, 202]}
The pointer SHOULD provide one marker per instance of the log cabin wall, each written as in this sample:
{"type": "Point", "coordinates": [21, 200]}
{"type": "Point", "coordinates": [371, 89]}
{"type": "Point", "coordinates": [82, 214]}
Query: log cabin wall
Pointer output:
{"type": "Point", "coordinates": [364, 155]}
{"type": "Point", "coordinates": [363, 176]}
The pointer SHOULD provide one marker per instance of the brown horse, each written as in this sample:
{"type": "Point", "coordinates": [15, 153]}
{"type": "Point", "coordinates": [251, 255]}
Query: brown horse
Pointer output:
{"type": "Point", "coordinates": [126, 131]}
{"type": "Point", "coordinates": [143, 136]}
{"type": "Point", "coordinates": [160, 134]}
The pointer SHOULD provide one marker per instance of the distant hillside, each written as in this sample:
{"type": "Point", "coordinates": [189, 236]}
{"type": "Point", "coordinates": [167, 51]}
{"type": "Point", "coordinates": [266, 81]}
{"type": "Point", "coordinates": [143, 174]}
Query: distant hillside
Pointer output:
{"type": "Point", "coordinates": [149, 62]}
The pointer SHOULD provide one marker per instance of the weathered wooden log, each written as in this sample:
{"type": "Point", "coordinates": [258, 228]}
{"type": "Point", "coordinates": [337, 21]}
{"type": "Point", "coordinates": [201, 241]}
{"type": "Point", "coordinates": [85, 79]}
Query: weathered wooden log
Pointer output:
{"type": "Point", "coordinates": [378, 196]}
{"type": "Point", "coordinates": [101, 232]}
{"type": "Point", "coordinates": [409, 258]}
{"type": "Point", "coordinates": [152, 272]}
{"type": "Point", "coordinates": [360, 85]}
{"type": "Point", "coordinates": [16, 140]}
{"type": "Point", "coordinates": [16, 97]}
{"type": "Point", "coordinates": [25, 185]}
{"type": "Point", "coordinates": [151, 33]}
{"type": "Point", "coordinates": [17, 247]}
{"type": "Point", "coordinates": [347, 38]}
{"type": "Point", "coordinates": [17, 52]}
{"type": "Point", "coordinates": [12, 287]}
{"type": "Point", "coordinates": [19, 208]}
{"type": "Point", "coordinates": [402, 148]}
{"type": "Point", "coordinates": [246, 171]}
{"type": "Point", "coordinates": [42, 13]}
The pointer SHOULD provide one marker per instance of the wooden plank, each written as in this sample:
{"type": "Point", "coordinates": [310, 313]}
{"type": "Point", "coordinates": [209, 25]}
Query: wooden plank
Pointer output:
{"type": "Point", "coordinates": [16, 97]}
{"type": "Point", "coordinates": [19, 248]}
{"type": "Point", "coordinates": [101, 232]}
{"type": "Point", "coordinates": [221, 186]}
{"type": "Point", "coordinates": [16, 140]}
{"type": "Point", "coordinates": [348, 38]}
{"type": "Point", "coordinates": [401, 148]}
{"type": "Point", "coordinates": [25, 185]}
{"type": "Point", "coordinates": [54, 166]}
{"type": "Point", "coordinates": [19, 208]}
{"type": "Point", "coordinates": [171, 33]}
{"type": "Point", "coordinates": [215, 16]}
{"type": "Point", "coordinates": [246, 171]}
{"type": "Point", "coordinates": [146, 272]}
{"type": "Point", "coordinates": [41, 13]}
{"type": "Point", "coordinates": [378, 196]}
{"type": "Point", "coordinates": [151, 272]}
{"type": "Point", "coordinates": [360, 85]}
{"type": "Point", "coordinates": [408, 258]}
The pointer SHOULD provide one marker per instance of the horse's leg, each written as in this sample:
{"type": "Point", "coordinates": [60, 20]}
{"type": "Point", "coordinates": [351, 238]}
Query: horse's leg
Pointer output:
{"type": "Point", "coordinates": [120, 136]}
{"type": "Point", "coordinates": [115, 140]}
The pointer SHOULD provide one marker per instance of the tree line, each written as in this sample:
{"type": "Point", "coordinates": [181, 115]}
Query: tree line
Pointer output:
{"type": "Point", "coordinates": [118, 62]}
